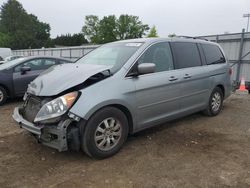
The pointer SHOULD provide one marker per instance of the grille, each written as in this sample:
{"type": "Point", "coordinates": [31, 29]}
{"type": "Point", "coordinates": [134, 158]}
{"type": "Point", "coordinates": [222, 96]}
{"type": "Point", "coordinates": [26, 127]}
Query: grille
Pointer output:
{"type": "Point", "coordinates": [31, 108]}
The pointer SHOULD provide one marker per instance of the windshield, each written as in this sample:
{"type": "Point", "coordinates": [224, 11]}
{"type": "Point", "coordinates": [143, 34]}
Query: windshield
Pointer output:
{"type": "Point", "coordinates": [11, 64]}
{"type": "Point", "coordinates": [114, 55]}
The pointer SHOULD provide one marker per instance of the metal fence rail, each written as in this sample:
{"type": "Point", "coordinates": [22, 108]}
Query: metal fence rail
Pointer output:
{"type": "Point", "coordinates": [65, 52]}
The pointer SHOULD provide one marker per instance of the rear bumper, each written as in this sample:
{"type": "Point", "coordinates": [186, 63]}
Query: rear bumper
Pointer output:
{"type": "Point", "coordinates": [54, 136]}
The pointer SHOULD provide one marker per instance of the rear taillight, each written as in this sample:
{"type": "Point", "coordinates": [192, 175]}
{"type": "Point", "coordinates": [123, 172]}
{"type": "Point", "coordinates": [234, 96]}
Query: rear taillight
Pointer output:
{"type": "Point", "coordinates": [230, 71]}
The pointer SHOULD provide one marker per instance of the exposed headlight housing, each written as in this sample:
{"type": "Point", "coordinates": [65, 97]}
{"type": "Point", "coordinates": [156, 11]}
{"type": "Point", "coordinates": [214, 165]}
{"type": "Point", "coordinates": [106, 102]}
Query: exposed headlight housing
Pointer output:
{"type": "Point", "coordinates": [56, 107]}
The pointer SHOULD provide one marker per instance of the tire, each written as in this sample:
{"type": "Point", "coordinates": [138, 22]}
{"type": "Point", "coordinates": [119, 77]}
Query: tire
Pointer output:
{"type": "Point", "coordinates": [248, 91]}
{"type": "Point", "coordinates": [3, 96]}
{"type": "Point", "coordinates": [105, 133]}
{"type": "Point", "coordinates": [215, 103]}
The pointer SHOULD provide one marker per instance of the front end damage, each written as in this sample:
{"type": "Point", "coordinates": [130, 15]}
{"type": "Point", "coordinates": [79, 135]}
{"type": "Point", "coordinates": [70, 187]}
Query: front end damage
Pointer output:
{"type": "Point", "coordinates": [49, 98]}
{"type": "Point", "coordinates": [62, 133]}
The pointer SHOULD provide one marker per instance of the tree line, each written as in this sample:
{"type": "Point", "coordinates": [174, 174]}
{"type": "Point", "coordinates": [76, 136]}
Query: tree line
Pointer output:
{"type": "Point", "coordinates": [21, 30]}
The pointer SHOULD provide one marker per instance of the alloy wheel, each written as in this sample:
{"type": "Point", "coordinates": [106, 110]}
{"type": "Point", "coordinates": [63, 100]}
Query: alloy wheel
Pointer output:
{"type": "Point", "coordinates": [1, 96]}
{"type": "Point", "coordinates": [216, 102]}
{"type": "Point", "coordinates": [108, 134]}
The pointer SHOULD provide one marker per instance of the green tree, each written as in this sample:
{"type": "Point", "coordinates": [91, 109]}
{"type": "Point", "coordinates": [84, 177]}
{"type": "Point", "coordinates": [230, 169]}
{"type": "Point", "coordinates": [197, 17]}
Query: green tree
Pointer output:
{"type": "Point", "coordinates": [91, 28]}
{"type": "Point", "coordinates": [129, 27]}
{"type": "Point", "coordinates": [4, 40]}
{"type": "Point", "coordinates": [152, 32]}
{"type": "Point", "coordinates": [13, 17]}
{"type": "Point", "coordinates": [109, 28]}
{"type": "Point", "coordinates": [21, 40]}
{"type": "Point", "coordinates": [70, 40]}
{"type": "Point", "coordinates": [24, 30]}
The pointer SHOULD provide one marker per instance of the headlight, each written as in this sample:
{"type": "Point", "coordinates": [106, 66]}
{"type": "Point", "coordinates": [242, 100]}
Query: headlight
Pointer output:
{"type": "Point", "coordinates": [56, 107]}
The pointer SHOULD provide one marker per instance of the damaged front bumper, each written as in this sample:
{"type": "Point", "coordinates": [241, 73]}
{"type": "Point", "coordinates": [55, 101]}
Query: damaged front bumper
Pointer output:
{"type": "Point", "coordinates": [55, 136]}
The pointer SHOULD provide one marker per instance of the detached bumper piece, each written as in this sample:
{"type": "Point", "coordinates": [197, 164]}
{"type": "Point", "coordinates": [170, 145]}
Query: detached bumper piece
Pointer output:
{"type": "Point", "coordinates": [54, 136]}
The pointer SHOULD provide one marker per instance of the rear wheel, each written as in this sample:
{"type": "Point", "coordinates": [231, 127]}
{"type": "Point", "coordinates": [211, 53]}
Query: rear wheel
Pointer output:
{"type": "Point", "coordinates": [3, 95]}
{"type": "Point", "coordinates": [105, 133]}
{"type": "Point", "coordinates": [215, 102]}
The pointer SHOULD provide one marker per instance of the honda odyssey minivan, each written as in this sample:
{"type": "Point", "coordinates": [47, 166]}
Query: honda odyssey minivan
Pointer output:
{"type": "Point", "coordinates": [121, 88]}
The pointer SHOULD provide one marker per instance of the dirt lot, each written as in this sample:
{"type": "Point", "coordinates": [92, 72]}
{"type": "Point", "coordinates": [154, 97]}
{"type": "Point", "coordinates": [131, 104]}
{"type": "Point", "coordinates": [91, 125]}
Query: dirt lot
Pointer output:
{"type": "Point", "coordinates": [196, 151]}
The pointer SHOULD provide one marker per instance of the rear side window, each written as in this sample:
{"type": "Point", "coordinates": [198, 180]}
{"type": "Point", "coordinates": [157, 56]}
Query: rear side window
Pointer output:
{"type": "Point", "coordinates": [213, 54]}
{"type": "Point", "coordinates": [186, 54]}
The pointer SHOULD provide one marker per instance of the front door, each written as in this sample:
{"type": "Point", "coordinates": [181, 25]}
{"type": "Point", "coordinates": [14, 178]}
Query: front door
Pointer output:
{"type": "Point", "coordinates": [37, 66]}
{"type": "Point", "coordinates": [157, 93]}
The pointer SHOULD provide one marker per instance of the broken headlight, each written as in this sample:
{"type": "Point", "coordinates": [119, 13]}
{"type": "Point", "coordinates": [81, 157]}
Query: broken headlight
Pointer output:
{"type": "Point", "coordinates": [56, 107]}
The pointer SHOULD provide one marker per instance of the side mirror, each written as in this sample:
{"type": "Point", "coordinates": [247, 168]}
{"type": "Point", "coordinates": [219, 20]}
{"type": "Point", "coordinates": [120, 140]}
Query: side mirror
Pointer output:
{"type": "Point", "coordinates": [146, 68]}
{"type": "Point", "coordinates": [25, 69]}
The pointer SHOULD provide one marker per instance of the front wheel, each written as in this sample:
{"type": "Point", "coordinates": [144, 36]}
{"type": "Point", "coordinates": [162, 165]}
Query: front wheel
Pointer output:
{"type": "Point", "coordinates": [215, 102]}
{"type": "Point", "coordinates": [105, 133]}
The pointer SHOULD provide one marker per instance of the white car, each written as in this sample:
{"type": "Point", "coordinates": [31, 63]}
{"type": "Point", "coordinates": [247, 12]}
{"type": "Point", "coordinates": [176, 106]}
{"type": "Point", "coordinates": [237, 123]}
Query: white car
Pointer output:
{"type": "Point", "coordinates": [10, 58]}
{"type": "Point", "coordinates": [4, 52]}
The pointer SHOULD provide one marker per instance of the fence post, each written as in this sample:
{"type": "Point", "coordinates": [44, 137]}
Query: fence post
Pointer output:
{"type": "Point", "coordinates": [240, 55]}
{"type": "Point", "coordinates": [217, 38]}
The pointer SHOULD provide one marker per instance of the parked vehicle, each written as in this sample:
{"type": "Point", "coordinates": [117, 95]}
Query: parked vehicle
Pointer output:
{"type": "Point", "coordinates": [1, 60]}
{"type": "Point", "coordinates": [121, 88]}
{"type": "Point", "coordinates": [9, 58]}
{"type": "Point", "coordinates": [17, 74]}
{"type": "Point", "coordinates": [4, 52]}
{"type": "Point", "coordinates": [13, 57]}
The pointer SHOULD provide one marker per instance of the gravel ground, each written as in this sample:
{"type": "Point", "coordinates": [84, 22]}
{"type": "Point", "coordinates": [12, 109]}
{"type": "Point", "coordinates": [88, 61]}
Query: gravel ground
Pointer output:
{"type": "Point", "coordinates": [196, 151]}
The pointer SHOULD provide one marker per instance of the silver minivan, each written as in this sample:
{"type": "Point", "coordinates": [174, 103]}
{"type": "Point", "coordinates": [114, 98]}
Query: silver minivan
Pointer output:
{"type": "Point", "coordinates": [121, 88]}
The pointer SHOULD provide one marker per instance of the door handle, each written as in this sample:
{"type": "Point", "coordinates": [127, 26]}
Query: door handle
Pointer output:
{"type": "Point", "coordinates": [172, 78]}
{"type": "Point", "coordinates": [187, 76]}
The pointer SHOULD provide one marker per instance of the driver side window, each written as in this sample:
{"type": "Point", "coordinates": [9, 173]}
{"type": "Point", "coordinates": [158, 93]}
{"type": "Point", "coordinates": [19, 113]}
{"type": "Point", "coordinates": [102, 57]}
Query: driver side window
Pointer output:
{"type": "Point", "coordinates": [35, 64]}
{"type": "Point", "coordinates": [159, 54]}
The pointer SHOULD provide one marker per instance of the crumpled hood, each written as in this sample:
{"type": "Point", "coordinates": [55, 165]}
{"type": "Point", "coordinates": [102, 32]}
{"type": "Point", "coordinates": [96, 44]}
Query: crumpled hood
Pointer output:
{"type": "Point", "coordinates": [62, 77]}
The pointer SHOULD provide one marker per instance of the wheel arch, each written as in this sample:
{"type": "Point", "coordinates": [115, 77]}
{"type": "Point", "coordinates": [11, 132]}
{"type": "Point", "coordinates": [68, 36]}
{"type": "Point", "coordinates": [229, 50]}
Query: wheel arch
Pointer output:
{"type": "Point", "coordinates": [6, 89]}
{"type": "Point", "coordinates": [121, 107]}
{"type": "Point", "coordinates": [128, 114]}
{"type": "Point", "coordinates": [222, 88]}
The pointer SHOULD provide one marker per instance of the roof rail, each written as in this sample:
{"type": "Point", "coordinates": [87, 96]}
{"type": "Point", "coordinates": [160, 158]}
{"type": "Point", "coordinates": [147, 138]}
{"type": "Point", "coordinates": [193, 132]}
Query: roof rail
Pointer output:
{"type": "Point", "coordinates": [189, 37]}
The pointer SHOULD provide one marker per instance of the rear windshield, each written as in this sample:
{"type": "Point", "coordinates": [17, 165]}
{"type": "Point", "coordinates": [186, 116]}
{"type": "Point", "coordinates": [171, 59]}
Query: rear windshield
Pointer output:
{"type": "Point", "coordinates": [114, 55]}
{"type": "Point", "coordinates": [213, 54]}
{"type": "Point", "coordinates": [10, 64]}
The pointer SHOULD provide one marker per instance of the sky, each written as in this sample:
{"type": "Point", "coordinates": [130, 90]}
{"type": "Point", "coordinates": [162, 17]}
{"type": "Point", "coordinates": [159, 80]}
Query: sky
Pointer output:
{"type": "Point", "coordinates": [182, 17]}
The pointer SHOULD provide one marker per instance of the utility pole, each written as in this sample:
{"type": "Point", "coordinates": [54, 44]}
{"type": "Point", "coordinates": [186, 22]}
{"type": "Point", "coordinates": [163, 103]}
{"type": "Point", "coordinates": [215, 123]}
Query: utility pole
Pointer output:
{"type": "Point", "coordinates": [247, 16]}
